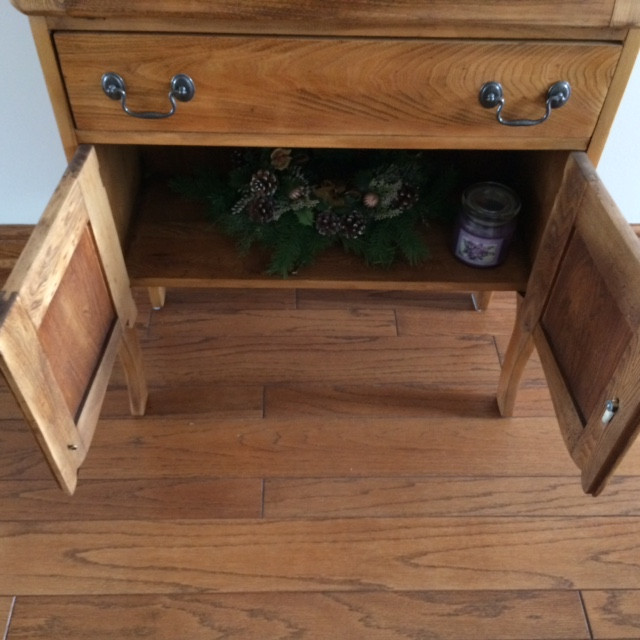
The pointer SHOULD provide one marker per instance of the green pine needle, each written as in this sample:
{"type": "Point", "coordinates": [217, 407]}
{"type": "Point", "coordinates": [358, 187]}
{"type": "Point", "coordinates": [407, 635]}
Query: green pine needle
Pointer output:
{"type": "Point", "coordinates": [292, 240]}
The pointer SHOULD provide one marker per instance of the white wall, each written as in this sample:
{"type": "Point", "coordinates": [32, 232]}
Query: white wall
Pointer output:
{"type": "Point", "coordinates": [31, 156]}
{"type": "Point", "coordinates": [32, 160]}
{"type": "Point", "coordinates": [619, 166]}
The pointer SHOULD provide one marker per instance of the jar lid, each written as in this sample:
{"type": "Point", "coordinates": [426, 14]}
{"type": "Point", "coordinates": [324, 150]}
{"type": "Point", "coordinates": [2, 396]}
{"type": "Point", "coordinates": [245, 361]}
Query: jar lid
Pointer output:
{"type": "Point", "coordinates": [491, 203]}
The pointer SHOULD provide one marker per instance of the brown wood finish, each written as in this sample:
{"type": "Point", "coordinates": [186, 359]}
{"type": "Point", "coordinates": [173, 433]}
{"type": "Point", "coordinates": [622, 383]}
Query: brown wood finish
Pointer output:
{"type": "Point", "coordinates": [492, 615]}
{"type": "Point", "coordinates": [63, 312]}
{"type": "Point", "coordinates": [406, 91]}
{"type": "Point", "coordinates": [14, 239]}
{"type": "Point", "coordinates": [174, 244]}
{"type": "Point", "coordinates": [120, 174]}
{"type": "Point", "coordinates": [580, 298]}
{"type": "Point", "coordinates": [357, 15]}
{"type": "Point", "coordinates": [626, 12]}
{"type": "Point", "coordinates": [302, 475]}
{"type": "Point", "coordinates": [55, 84]}
{"type": "Point", "coordinates": [350, 506]}
{"type": "Point", "coordinates": [6, 608]}
{"type": "Point", "coordinates": [585, 324]}
{"type": "Point", "coordinates": [78, 322]}
{"type": "Point", "coordinates": [614, 614]}
{"type": "Point", "coordinates": [564, 207]}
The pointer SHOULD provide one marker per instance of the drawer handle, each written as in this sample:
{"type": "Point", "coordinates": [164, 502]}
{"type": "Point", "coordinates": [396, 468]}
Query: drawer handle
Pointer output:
{"type": "Point", "coordinates": [492, 95]}
{"type": "Point", "coordinates": [182, 89]}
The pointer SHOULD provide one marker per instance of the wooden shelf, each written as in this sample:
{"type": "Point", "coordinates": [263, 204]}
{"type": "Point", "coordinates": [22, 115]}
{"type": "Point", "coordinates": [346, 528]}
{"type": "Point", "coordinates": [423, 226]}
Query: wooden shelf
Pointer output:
{"type": "Point", "coordinates": [173, 245]}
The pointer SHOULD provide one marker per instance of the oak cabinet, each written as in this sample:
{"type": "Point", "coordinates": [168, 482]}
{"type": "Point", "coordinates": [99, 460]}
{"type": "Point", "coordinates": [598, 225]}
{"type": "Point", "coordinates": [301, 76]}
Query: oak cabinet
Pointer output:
{"type": "Point", "coordinates": [404, 75]}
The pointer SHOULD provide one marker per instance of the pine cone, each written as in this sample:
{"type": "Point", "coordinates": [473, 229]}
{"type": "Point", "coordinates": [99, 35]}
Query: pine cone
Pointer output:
{"type": "Point", "coordinates": [406, 197]}
{"type": "Point", "coordinates": [297, 193]}
{"type": "Point", "coordinates": [263, 182]}
{"type": "Point", "coordinates": [327, 223]}
{"type": "Point", "coordinates": [353, 225]}
{"type": "Point", "coordinates": [261, 209]}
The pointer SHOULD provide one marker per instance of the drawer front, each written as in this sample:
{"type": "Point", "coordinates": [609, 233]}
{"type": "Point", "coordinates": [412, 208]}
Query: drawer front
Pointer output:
{"type": "Point", "coordinates": [368, 90]}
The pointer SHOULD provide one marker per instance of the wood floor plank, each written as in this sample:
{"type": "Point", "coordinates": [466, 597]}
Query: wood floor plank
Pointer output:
{"type": "Point", "coordinates": [389, 554]}
{"type": "Point", "coordinates": [365, 299]}
{"type": "Point", "coordinates": [214, 400]}
{"type": "Point", "coordinates": [269, 322]}
{"type": "Point", "coordinates": [613, 614]}
{"type": "Point", "coordinates": [13, 238]}
{"type": "Point", "coordinates": [436, 322]}
{"type": "Point", "coordinates": [441, 497]}
{"type": "Point", "coordinates": [186, 358]}
{"type": "Point", "coordinates": [533, 396]}
{"type": "Point", "coordinates": [402, 400]}
{"type": "Point", "coordinates": [6, 609]}
{"type": "Point", "coordinates": [309, 447]}
{"type": "Point", "coordinates": [230, 299]}
{"type": "Point", "coordinates": [155, 499]}
{"type": "Point", "coordinates": [482, 615]}
{"type": "Point", "coordinates": [9, 409]}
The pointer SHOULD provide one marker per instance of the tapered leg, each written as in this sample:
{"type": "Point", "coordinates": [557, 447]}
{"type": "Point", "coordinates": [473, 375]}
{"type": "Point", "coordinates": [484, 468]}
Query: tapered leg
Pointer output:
{"type": "Point", "coordinates": [481, 300]}
{"type": "Point", "coordinates": [157, 296]}
{"type": "Point", "coordinates": [131, 358]}
{"type": "Point", "coordinates": [518, 352]}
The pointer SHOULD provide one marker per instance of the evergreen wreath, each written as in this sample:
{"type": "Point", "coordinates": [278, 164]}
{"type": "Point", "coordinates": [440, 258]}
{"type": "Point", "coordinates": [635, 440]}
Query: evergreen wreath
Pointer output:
{"type": "Point", "coordinates": [297, 203]}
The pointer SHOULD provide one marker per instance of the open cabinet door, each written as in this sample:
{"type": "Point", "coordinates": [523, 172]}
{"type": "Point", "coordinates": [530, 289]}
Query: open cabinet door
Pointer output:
{"type": "Point", "coordinates": [582, 312]}
{"type": "Point", "coordinates": [65, 313]}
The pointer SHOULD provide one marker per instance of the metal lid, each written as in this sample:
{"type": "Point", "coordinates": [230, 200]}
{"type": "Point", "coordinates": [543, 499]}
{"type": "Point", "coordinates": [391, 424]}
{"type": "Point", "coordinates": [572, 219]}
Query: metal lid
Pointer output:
{"type": "Point", "coordinates": [490, 203]}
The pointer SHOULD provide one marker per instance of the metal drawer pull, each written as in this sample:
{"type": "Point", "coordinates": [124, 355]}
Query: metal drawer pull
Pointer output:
{"type": "Point", "coordinates": [492, 95]}
{"type": "Point", "coordinates": [182, 89]}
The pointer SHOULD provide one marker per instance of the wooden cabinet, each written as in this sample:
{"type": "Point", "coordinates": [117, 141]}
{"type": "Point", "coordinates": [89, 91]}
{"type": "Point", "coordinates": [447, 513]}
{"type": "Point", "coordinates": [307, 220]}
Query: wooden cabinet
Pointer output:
{"type": "Point", "coordinates": [398, 75]}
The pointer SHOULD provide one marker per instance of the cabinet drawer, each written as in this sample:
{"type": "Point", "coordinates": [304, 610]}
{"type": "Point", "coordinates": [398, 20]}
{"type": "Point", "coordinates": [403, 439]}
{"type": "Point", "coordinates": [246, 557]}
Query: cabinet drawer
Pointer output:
{"type": "Point", "coordinates": [334, 92]}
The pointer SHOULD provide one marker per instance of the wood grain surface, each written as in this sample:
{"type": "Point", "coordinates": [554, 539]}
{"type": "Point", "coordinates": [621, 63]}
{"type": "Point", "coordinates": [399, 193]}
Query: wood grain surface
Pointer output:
{"type": "Point", "coordinates": [329, 479]}
{"type": "Point", "coordinates": [358, 15]}
{"type": "Point", "coordinates": [488, 615]}
{"type": "Point", "coordinates": [406, 90]}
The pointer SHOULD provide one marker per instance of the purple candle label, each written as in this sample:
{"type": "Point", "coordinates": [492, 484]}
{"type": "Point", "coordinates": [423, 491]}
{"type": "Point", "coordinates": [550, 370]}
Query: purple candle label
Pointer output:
{"type": "Point", "coordinates": [481, 252]}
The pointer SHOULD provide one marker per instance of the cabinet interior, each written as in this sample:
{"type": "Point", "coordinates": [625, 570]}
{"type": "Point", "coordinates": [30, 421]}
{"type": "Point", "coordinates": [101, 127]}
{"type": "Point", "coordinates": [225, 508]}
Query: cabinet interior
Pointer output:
{"type": "Point", "coordinates": [168, 240]}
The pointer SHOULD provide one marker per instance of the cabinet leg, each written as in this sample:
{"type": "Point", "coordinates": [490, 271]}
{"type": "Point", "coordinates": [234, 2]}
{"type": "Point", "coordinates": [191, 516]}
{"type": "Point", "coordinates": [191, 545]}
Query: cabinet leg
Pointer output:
{"type": "Point", "coordinates": [157, 296]}
{"type": "Point", "coordinates": [518, 352]}
{"type": "Point", "coordinates": [131, 358]}
{"type": "Point", "coordinates": [481, 300]}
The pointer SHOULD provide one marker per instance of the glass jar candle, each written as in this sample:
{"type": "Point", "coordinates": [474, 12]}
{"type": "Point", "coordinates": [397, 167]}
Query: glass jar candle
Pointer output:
{"type": "Point", "coordinates": [485, 224]}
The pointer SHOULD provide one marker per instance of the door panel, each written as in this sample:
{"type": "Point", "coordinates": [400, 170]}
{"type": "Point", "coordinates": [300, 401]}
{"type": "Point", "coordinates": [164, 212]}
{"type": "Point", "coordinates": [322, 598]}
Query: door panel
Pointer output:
{"type": "Point", "coordinates": [65, 313]}
{"type": "Point", "coordinates": [585, 322]}
{"type": "Point", "coordinates": [580, 298]}
{"type": "Point", "coordinates": [79, 320]}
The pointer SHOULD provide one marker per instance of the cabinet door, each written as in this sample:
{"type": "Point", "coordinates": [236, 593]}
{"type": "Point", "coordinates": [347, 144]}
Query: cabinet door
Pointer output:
{"type": "Point", "coordinates": [65, 313]}
{"type": "Point", "coordinates": [582, 312]}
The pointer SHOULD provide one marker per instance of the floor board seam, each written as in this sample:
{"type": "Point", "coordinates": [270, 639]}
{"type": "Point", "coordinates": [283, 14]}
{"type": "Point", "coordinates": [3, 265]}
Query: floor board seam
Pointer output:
{"type": "Point", "coordinates": [9, 617]}
{"type": "Point", "coordinates": [586, 614]}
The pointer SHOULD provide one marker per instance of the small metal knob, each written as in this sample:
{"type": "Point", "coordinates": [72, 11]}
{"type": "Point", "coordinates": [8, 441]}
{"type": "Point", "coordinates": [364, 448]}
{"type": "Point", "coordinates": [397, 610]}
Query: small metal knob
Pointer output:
{"type": "Point", "coordinates": [610, 409]}
{"type": "Point", "coordinates": [492, 95]}
{"type": "Point", "coordinates": [182, 88]}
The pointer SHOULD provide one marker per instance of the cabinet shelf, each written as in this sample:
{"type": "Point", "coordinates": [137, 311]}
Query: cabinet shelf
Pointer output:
{"type": "Point", "coordinates": [173, 245]}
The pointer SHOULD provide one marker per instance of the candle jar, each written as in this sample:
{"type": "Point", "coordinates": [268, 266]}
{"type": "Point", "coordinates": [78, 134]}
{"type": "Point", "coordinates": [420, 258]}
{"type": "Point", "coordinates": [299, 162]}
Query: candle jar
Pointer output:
{"type": "Point", "coordinates": [485, 224]}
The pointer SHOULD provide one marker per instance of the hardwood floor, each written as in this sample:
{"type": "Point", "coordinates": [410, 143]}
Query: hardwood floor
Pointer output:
{"type": "Point", "coordinates": [319, 465]}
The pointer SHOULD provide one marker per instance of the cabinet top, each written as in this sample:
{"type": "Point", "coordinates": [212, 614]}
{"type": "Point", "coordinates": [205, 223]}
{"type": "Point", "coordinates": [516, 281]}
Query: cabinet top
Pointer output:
{"type": "Point", "coordinates": [354, 16]}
